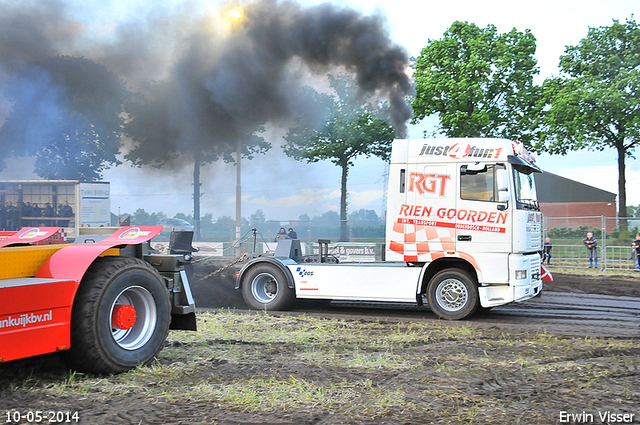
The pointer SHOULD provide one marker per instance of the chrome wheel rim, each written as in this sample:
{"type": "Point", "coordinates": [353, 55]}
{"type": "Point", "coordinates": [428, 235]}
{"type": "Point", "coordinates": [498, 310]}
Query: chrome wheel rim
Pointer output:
{"type": "Point", "coordinates": [146, 318]}
{"type": "Point", "coordinates": [264, 287]}
{"type": "Point", "coordinates": [452, 294]}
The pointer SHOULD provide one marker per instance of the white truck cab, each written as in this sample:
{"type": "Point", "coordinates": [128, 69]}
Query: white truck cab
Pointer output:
{"type": "Point", "coordinates": [468, 203]}
{"type": "Point", "coordinates": [463, 230]}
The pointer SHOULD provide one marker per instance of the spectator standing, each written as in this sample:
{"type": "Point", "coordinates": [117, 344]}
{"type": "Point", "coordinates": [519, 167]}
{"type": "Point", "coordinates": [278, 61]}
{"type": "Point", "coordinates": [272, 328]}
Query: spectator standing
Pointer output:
{"type": "Point", "coordinates": [592, 248]}
{"type": "Point", "coordinates": [25, 211]}
{"type": "Point", "coordinates": [636, 250]}
{"type": "Point", "coordinates": [48, 212]}
{"type": "Point", "coordinates": [35, 212]}
{"type": "Point", "coordinates": [292, 234]}
{"type": "Point", "coordinates": [547, 251]}
{"type": "Point", "coordinates": [10, 216]}
{"type": "Point", "coordinates": [65, 211]}
{"type": "Point", "coordinates": [282, 234]}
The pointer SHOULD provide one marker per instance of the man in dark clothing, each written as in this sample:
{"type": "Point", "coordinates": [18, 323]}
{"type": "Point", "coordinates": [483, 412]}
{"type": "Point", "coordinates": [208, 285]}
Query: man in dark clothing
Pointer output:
{"type": "Point", "coordinates": [547, 250]}
{"type": "Point", "coordinates": [48, 212]}
{"type": "Point", "coordinates": [25, 211]}
{"type": "Point", "coordinates": [635, 245]}
{"type": "Point", "coordinates": [281, 235]}
{"type": "Point", "coordinates": [592, 248]}
{"type": "Point", "coordinates": [35, 212]}
{"type": "Point", "coordinates": [65, 211]}
{"type": "Point", "coordinates": [292, 234]}
{"type": "Point", "coordinates": [10, 216]}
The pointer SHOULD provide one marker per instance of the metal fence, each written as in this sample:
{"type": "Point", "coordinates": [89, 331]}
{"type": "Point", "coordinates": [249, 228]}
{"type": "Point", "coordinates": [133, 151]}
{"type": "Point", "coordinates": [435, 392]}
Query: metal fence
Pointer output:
{"type": "Point", "coordinates": [614, 238]}
{"type": "Point", "coordinates": [609, 257]}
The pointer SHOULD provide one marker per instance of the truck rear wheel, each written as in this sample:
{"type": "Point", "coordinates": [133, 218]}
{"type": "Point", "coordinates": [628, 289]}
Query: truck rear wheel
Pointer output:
{"type": "Point", "coordinates": [452, 295]}
{"type": "Point", "coordinates": [120, 317]}
{"type": "Point", "coordinates": [264, 287]}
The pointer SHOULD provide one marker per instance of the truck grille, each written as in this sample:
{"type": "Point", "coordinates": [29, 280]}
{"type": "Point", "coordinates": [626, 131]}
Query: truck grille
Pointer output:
{"type": "Point", "coordinates": [535, 262]}
{"type": "Point", "coordinates": [534, 237]}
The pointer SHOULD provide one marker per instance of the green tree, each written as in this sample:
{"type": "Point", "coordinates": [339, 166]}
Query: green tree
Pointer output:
{"type": "Point", "coordinates": [326, 226]}
{"type": "Point", "coordinates": [364, 217]}
{"type": "Point", "coordinates": [478, 82]}
{"type": "Point", "coordinates": [329, 218]}
{"type": "Point", "coordinates": [143, 218]}
{"type": "Point", "coordinates": [184, 216]}
{"type": "Point", "coordinates": [206, 227]}
{"type": "Point", "coordinates": [350, 127]}
{"type": "Point", "coordinates": [366, 224]}
{"type": "Point", "coordinates": [224, 227]}
{"type": "Point", "coordinates": [595, 102]}
{"type": "Point", "coordinates": [67, 113]}
{"type": "Point", "coordinates": [257, 219]}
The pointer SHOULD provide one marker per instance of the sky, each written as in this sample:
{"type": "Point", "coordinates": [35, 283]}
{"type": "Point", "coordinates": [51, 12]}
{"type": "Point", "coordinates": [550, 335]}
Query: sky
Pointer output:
{"type": "Point", "coordinates": [284, 188]}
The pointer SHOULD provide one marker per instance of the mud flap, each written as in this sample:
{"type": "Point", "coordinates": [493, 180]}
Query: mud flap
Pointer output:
{"type": "Point", "coordinates": [183, 315]}
{"type": "Point", "coordinates": [546, 274]}
{"type": "Point", "coordinates": [185, 322]}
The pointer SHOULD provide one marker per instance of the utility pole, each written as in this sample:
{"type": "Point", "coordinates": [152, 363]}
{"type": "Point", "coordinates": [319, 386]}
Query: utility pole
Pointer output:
{"type": "Point", "coordinates": [196, 197]}
{"type": "Point", "coordinates": [238, 193]}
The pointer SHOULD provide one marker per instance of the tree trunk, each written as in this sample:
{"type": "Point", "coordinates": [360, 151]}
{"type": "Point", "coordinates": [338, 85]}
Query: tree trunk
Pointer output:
{"type": "Point", "coordinates": [622, 183]}
{"type": "Point", "coordinates": [196, 198]}
{"type": "Point", "coordinates": [344, 229]}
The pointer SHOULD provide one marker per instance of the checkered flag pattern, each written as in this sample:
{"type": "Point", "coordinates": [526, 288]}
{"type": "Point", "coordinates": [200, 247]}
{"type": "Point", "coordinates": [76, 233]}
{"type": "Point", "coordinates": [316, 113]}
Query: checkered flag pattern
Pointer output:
{"type": "Point", "coordinates": [421, 243]}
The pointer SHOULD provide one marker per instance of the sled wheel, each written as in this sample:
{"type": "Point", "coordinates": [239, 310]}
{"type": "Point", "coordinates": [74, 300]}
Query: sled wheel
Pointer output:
{"type": "Point", "coordinates": [452, 295]}
{"type": "Point", "coordinates": [120, 317]}
{"type": "Point", "coordinates": [264, 287]}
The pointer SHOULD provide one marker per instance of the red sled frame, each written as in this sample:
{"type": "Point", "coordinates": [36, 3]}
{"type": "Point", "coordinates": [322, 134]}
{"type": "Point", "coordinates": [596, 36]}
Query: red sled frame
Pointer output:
{"type": "Point", "coordinates": [35, 312]}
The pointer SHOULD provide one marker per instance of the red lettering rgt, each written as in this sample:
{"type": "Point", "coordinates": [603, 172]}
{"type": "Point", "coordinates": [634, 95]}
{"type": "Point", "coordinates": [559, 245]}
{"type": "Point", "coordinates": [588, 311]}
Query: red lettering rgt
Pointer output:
{"type": "Point", "coordinates": [428, 183]}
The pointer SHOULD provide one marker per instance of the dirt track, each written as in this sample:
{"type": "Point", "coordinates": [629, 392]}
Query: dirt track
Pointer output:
{"type": "Point", "coordinates": [218, 290]}
{"type": "Point", "coordinates": [604, 305]}
{"type": "Point", "coordinates": [528, 363]}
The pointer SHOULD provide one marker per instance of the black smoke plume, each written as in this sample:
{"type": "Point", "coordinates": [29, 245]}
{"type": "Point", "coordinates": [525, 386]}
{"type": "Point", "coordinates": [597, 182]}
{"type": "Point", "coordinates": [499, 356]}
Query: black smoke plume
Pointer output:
{"type": "Point", "coordinates": [220, 79]}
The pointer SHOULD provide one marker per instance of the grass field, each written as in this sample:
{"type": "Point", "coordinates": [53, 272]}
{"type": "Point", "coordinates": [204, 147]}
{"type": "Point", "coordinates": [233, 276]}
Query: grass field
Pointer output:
{"type": "Point", "coordinates": [262, 368]}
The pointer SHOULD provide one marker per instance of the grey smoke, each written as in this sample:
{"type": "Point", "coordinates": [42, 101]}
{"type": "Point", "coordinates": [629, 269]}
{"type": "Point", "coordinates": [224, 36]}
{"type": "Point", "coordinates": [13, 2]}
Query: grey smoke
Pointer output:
{"type": "Point", "coordinates": [31, 32]}
{"type": "Point", "coordinates": [218, 86]}
{"type": "Point", "coordinates": [323, 37]}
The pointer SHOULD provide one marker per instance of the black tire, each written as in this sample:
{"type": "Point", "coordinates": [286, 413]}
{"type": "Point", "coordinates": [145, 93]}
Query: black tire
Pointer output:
{"type": "Point", "coordinates": [264, 287]}
{"type": "Point", "coordinates": [99, 343]}
{"type": "Point", "coordinates": [453, 295]}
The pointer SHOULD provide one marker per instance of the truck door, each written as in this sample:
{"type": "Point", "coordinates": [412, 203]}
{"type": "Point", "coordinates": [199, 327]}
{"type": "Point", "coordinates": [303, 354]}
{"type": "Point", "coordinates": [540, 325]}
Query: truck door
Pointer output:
{"type": "Point", "coordinates": [429, 188]}
{"type": "Point", "coordinates": [483, 224]}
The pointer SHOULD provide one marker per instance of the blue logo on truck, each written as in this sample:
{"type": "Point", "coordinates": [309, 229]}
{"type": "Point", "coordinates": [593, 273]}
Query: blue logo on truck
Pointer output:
{"type": "Point", "coordinates": [302, 272]}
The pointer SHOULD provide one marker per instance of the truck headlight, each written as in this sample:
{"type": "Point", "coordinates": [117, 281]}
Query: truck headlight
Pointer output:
{"type": "Point", "coordinates": [521, 274]}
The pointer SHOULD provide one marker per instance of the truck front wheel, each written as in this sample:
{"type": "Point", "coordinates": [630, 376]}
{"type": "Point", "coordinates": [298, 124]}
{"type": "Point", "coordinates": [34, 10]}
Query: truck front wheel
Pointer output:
{"type": "Point", "coordinates": [452, 295]}
{"type": "Point", "coordinates": [265, 287]}
{"type": "Point", "coordinates": [120, 317]}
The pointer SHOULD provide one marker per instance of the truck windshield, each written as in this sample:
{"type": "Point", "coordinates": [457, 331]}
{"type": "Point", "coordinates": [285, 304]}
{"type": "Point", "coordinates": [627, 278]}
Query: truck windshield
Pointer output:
{"type": "Point", "coordinates": [525, 185]}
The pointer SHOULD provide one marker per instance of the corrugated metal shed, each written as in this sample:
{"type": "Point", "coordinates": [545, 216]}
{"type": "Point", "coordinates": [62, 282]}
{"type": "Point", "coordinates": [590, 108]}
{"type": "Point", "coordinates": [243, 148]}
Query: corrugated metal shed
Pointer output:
{"type": "Point", "coordinates": [554, 188]}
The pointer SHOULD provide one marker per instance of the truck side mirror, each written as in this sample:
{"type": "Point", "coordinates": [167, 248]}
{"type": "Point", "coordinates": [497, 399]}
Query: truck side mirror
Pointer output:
{"type": "Point", "coordinates": [502, 179]}
{"type": "Point", "coordinates": [502, 183]}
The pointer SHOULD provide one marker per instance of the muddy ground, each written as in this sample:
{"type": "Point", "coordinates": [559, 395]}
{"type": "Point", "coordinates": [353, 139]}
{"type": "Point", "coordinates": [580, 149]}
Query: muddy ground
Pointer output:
{"type": "Point", "coordinates": [218, 290]}
{"type": "Point", "coordinates": [606, 284]}
{"type": "Point", "coordinates": [486, 376]}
